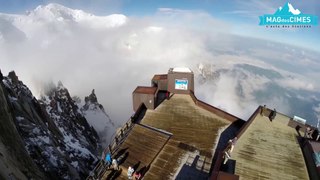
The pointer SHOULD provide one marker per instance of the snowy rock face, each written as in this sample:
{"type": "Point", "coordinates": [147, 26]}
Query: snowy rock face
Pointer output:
{"type": "Point", "coordinates": [98, 118]}
{"type": "Point", "coordinates": [55, 133]}
{"type": "Point", "coordinates": [57, 12]}
{"type": "Point", "coordinates": [15, 162]}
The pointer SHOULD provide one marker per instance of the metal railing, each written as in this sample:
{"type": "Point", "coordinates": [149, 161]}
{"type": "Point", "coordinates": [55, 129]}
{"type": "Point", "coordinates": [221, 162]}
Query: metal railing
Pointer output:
{"type": "Point", "coordinates": [117, 139]}
{"type": "Point", "coordinates": [114, 145]}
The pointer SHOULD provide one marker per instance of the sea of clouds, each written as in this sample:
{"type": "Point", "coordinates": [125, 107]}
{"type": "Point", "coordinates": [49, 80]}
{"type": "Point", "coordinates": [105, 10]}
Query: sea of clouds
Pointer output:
{"type": "Point", "coordinates": [114, 54]}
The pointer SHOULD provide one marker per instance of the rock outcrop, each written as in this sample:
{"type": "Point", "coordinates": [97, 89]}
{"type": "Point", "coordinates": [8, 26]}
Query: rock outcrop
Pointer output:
{"type": "Point", "coordinates": [44, 139]}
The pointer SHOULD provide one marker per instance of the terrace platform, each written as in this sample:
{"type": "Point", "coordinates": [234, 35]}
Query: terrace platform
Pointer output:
{"type": "Point", "coordinates": [176, 140]}
{"type": "Point", "coordinates": [269, 150]}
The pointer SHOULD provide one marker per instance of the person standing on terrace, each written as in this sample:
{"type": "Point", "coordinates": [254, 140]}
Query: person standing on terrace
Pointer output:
{"type": "Point", "coordinates": [263, 109]}
{"type": "Point", "coordinates": [273, 114]}
{"type": "Point", "coordinates": [229, 149]}
{"type": "Point", "coordinates": [108, 160]}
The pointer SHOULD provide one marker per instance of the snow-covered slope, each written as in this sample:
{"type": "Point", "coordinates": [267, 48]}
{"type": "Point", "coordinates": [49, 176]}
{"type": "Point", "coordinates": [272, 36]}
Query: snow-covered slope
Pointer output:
{"type": "Point", "coordinates": [56, 12]}
{"type": "Point", "coordinates": [15, 162]}
{"type": "Point", "coordinates": [52, 18]}
{"type": "Point", "coordinates": [98, 118]}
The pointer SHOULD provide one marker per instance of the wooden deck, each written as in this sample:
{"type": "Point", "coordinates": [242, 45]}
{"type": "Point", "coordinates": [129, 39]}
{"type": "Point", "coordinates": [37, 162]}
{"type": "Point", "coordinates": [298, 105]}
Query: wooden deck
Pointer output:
{"type": "Point", "coordinates": [194, 130]}
{"type": "Point", "coordinates": [269, 150]}
{"type": "Point", "coordinates": [176, 140]}
{"type": "Point", "coordinates": [139, 149]}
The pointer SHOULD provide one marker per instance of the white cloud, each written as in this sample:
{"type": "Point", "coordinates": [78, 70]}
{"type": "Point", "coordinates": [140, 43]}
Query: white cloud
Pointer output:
{"type": "Point", "coordinates": [233, 90]}
{"type": "Point", "coordinates": [317, 112]}
{"type": "Point", "coordinates": [296, 84]}
{"type": "Point", "coordinates": [113, 60]}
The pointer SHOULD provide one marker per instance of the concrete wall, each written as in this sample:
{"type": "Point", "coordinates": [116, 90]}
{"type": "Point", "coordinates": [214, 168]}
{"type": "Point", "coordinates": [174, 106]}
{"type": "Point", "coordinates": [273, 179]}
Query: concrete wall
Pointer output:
{"type": "Point", "coordinates": [147, 99]}
{"type": "Point", "coordinates": [173, 76]}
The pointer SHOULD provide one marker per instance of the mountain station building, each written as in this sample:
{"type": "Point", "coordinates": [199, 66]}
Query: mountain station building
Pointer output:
{"type": "Point", "coordinates": [174, 135]}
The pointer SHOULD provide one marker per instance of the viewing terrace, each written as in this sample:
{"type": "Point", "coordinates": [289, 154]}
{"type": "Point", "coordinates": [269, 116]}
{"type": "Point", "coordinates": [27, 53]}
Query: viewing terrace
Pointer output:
{"type": "Point", "coordinates": [176, 140]}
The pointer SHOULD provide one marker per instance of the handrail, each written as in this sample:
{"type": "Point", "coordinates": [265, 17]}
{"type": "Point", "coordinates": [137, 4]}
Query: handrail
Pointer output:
{"type": "Point", "coordinates": [117, 140]}
{"type": "Point", "coordinates": [215, 171]}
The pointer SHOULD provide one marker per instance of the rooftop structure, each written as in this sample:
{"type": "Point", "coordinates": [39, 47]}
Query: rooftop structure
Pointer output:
{"type": "Point", "coordinates": [160, 77]}
{"type": "Point", "coordinates": [180, 80]}
{"type": "Point", "coordinates": [160, 81]}
{"type": "Point", "coordinates": [145, 90]}
{"type": "Point", "coordinates": [174, 135]}
{"type": "Point", "coordinates": [269, 150]}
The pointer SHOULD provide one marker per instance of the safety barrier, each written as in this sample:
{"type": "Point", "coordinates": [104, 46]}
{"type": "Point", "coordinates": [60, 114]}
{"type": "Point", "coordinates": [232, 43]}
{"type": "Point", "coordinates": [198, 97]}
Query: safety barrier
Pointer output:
{"type": "Point", "coordinates": [216, 169]}
{"type": "Point", "coordinates": [114, 145]}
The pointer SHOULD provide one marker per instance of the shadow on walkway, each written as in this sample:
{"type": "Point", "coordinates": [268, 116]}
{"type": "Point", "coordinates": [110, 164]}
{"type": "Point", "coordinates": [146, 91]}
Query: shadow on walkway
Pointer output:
{"type": "Point", "coordinates": [191, 172]}
{"type": "Point", "coordinates": [225, 136]}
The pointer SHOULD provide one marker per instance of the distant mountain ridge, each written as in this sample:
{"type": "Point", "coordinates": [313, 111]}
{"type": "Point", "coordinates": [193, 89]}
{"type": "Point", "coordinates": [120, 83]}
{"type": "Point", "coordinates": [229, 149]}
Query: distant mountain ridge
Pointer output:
{"type": "Point", "coordinates": [17, 28]}
{"type": "Point", "coordinates": [58, 12]}
{"type": "Point", "coordinates": [257, 85]}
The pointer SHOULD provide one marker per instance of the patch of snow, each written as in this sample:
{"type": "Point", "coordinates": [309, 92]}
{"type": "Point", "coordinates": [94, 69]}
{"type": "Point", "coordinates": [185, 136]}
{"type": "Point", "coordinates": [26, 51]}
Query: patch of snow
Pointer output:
{"type": "Point", "coordinates": [12, 99]}
{"type": "Point", "coordinates": [100, 121]}
{"type": "Point", "coordinates": [75, 164]}
{"type": "Point", "coordinates": [40, 140]}
{"type": "Point", "coordinates": [73, 143]}
{"type": "Point", "coordinates": [19, 118]}
{"type": "Point", "coordinates": [36, 130]}
{"type": "Point", "coordinates": [45, 139]}
{"type": "Point", "coordinates": [53, 160]}
{"type": "Point", "coordinates": [6, 83]}
{"type": "Point", "coordinates": [45, 99]}
{"type": "Point", "coordinates": [59, 108]}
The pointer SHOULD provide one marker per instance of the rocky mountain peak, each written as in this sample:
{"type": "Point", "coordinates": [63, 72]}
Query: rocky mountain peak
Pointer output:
{"type": "Point", "coordinates": [1, 76]}
{"type": "Point", "coordinates": [54, 132]}
{"type": "Point", "coordinates": [97, 117]}
{"type": "Point", "coordinates": [14, 78]}
{"type": "Point", "coordinates": [60, 85]}
{"type": "Point", "coordinates": [92, 98]}
{"type": "Point", "coordinates": [16, 89]}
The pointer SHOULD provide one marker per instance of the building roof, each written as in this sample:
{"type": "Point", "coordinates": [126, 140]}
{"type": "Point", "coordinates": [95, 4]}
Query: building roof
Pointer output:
{"type": "Point", "coordinates": [178, 140]}
{"type": "Point", "coordinates": [160, 77]}
{"type": "Point", "coordinates": [145, 90]}
{"type": "Point", "coordinates": [182, 69]}
{"type": "Point", "coordinates": [269, 150]}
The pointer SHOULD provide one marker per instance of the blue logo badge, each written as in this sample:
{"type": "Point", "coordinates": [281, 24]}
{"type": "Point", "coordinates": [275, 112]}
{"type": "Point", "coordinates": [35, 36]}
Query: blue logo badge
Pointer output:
{"type": "Point", "coordinates": [288, 15]}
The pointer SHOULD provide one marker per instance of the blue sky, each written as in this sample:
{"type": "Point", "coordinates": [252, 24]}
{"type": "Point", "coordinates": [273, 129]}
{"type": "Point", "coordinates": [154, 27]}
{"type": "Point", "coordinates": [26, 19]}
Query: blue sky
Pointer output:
{"type": "Point", "coordinates": [190, 35]}
{"type": "Point", "coordinates": [241, 15]}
